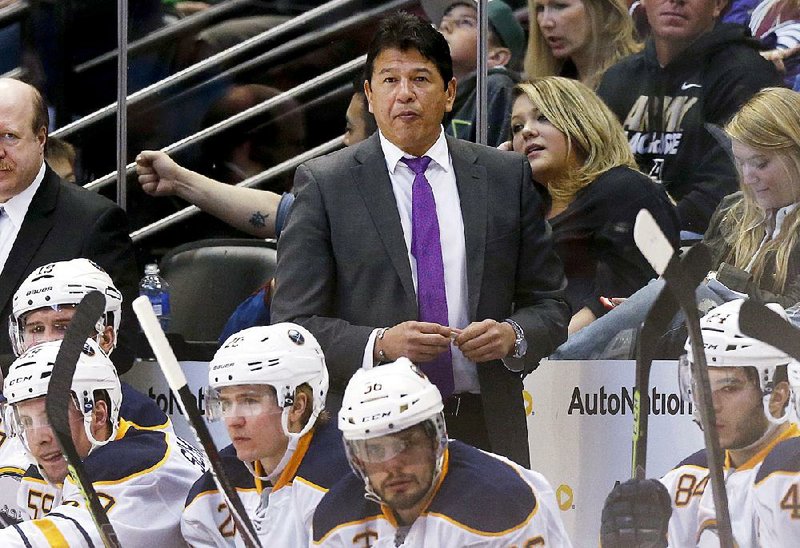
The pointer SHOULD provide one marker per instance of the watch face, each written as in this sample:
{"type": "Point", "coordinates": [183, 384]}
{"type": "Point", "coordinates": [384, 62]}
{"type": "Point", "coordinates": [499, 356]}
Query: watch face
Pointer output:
{"type": "Point", "coordinates": [522, 348]}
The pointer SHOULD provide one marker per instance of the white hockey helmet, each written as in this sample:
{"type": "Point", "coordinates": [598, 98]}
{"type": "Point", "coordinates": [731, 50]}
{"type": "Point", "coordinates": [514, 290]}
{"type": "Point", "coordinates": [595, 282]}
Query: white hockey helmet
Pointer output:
{"type": "Point", "coordinates": [386, 400]}
{"type": "Point", "coordinates": [63, 283]}
{"type": "Point", "coordinates": [283, 356]}
{"type": "Point", "coordinates": [29, 377]}
{"type": "Point", "coordinates": [726, 346]}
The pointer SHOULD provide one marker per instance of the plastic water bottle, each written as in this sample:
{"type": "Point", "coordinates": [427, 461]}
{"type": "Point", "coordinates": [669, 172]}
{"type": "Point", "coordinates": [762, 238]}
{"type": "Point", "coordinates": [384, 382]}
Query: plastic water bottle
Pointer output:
{"type": "Point", "coordinates": [156, 288]}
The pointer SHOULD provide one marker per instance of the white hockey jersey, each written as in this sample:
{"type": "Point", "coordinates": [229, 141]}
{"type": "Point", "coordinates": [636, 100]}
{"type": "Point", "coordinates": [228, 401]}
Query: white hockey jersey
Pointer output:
{"type": "Point", "coordinates": [141, 478]}
{"type": "Point", "coordinates": [13, 463]}
{"type": "Point", "coordinates": [281, 514]}
{"type": "Point", "coordinates": [776, 498]}
{"type": "Point", "coordinates": [480, 499]}
{"type": "Point", "coordinates": [693, 521]}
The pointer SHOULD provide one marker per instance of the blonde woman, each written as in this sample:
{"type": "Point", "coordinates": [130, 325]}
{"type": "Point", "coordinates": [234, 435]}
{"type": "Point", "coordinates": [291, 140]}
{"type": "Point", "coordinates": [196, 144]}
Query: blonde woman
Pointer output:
{"type": "Point", "coordinates": [578, 39]}
{"type": "Point", "coordinates": [577, 150]}
{"type": "Point", "coordinates": [753, 234]}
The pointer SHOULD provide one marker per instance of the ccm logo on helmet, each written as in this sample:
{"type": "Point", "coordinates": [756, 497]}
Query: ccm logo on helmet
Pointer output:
{"type": "Point", "coordinates": [376, 416]}
{"type": "Point", "coordinates": [12, 382]}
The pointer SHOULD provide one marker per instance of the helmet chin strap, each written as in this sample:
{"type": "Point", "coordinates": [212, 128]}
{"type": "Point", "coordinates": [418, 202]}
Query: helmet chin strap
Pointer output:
{"type": "Point", "coordinates": [294, 440]}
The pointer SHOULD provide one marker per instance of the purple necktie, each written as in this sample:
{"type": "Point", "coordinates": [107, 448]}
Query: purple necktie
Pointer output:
{"type": "Point", "coordinates": [426, 247]}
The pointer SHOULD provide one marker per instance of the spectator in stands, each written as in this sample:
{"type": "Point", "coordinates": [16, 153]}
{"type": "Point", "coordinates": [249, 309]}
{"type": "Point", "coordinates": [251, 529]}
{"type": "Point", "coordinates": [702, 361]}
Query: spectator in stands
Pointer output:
{"type": "Point", "coordinates": [578, 39]}
{"type": "Point", "coordinates": [61, 156]}
{"type": "Point", "coordinates": [754, 235]}
{"type": "Point", "coordinates": [578, 151]}
{"type": "Point", "coordinates": [360, 121]}
{"type": "Point", "coordinates": [44, 219]}
{"type": "Point", "coordinates": [693, 71]}
{"type": "Point", "coordinates": [457, 20]}
{"type": "Point", "coordinates": [252, 147]}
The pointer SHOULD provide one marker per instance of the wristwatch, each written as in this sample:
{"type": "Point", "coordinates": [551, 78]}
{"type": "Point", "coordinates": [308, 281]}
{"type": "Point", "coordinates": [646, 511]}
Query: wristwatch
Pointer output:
{"type": "Point", "coordinates": [520, 344]}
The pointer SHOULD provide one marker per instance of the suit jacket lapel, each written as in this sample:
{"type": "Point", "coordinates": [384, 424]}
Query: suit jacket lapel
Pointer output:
{"type": "Point", "coordinates": [372, 180]}
{"type": "Point", "coordinates": [472, 185]}
{"type": "Point", "coordinates": [37, 224]}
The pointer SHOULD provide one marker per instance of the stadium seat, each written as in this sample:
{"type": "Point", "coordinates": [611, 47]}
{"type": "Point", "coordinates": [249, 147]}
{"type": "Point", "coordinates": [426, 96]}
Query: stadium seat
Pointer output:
{"type": "Point", "coordinates": [208, 280]}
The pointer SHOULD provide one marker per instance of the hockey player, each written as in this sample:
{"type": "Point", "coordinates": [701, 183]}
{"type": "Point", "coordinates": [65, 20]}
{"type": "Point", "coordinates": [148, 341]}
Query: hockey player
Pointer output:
{"type": "Point", "coordinates": [776, 498]}
{"type": "Point", "coordinates": [43, 306]}
{"type": "Point", "coordinates": [269, 386]}
{"type": "Point", "coordinates": [413, 487]}
{"type": "Point", "coordinates": [141, 476]}
{"type": "Point", "coordinates": [752, 404]}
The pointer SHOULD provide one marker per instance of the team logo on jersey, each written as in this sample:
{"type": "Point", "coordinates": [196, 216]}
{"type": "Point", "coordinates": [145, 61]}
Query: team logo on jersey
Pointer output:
{"type": "Point", "coordinates": [564, 497]}
{"type": "Point", "coordinates": [296, 337]}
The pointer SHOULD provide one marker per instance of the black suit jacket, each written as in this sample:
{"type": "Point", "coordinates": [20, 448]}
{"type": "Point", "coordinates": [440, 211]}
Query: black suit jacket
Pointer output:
{"type": "Point", "coordinates": [66, 221]}
{"type": "Point", "coordinates": [343, 266]}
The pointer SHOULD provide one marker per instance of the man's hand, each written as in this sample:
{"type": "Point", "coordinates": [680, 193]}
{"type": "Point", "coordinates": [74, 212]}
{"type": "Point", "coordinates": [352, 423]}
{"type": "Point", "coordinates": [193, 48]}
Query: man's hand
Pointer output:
{"type": "Point", "coordinates": [778, 55]}
{"type": "Point", "coordinates": [636, 515]}
{"type": "Point", "coordinates": [487, 340]}
{"type": "Point", "coordinates": [417, 341]}
{"type": "Point", "coordinates": [158, 173]}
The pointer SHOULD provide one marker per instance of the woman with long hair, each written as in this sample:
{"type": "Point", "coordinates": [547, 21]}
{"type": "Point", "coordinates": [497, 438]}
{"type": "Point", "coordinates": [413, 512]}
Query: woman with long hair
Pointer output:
{"type": "Point", "coordinates": [754, 234]}
{"type": "Point", "coordinates": [578, 39]}
{"type": "Point", "coordinates": [577, 151]}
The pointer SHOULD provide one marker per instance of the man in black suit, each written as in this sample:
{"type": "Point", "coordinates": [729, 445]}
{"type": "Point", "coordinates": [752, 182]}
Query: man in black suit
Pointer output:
{"type": "Point", "coordinates": [419, 245]}
{"type": "Point", "coordinates": [44, 219]}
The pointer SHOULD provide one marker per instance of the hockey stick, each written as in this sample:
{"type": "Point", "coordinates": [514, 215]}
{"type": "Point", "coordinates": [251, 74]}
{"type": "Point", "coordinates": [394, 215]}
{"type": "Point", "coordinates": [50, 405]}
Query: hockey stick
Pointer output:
{"type": "Point", "coordinates": [758, 321]}
{"type": "Point", "coordinates": [655, 324]}
{"type": "Point", "coordinates": [659, 253]}
{"type": "Point", "coordinates": [59, 396]}
{"type": "Point", "coordinates": [177, 382]}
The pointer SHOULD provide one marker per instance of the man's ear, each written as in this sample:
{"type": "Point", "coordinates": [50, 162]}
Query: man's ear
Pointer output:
{"type": "Point", "coordinates": [450, 93]}
{"type": "Point", "coordinates": [298, 410]}
{"type": "Point", "coordinates": [498, 57]}
{"type": "Point", "coordinates": [368, 93]}
{"type": "Point", "coordinates": [107, 339]}
{"type": "Point", "coordinates": [779, 398]}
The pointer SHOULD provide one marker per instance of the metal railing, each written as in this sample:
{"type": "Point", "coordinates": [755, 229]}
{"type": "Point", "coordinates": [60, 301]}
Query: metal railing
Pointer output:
{"type": "Point", "coordinates": [182, 27]}
{"type": "Point", "coordinates": [294, 93]}
{"type": "Point", "coordinates": [207, 65]}
{"type": "Point", "coordinates": [13, 12]}
{"type": "Point", "coordinates": [298, 44]}
{"type": "Point", "coordinates": [271, 173]}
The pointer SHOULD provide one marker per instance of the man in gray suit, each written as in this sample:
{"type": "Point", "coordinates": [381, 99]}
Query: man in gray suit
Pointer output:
{"type": "Point", "coordinates": [415, 244]}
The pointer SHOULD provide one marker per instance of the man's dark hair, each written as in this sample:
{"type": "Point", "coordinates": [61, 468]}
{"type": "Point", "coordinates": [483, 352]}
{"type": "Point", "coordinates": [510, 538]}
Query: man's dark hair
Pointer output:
{"type": "Point", "coordinates": [404, 32]}
{"type": "Point", "coordinates": [370, 124]}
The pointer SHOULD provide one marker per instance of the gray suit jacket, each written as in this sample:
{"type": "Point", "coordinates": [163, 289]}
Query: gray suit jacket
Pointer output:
{"type": "Point", "coordinates": [343, 266]}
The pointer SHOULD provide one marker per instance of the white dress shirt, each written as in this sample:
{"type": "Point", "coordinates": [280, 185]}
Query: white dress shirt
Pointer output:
{"type": "Point", "coordinates": [14, 211]}
{"type": "Point", "coordinates": [442, 178]}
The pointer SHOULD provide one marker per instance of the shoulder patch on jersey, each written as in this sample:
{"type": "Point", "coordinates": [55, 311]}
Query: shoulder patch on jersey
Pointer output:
{"type": "Point", "coordinates": [343, 504]}
{"type": "Point", "coordinates": [698, 459]}
{"type": "Point", "coordinates": [235, 469]}
{"type": "Point", "coordinates": [135, 452]}
{"type": "Point", "coordinates": [784, 457]}
{"type": "Point", "coordinates": [325, 462]}
{"type": "Point", "coordinates": [491, 484]}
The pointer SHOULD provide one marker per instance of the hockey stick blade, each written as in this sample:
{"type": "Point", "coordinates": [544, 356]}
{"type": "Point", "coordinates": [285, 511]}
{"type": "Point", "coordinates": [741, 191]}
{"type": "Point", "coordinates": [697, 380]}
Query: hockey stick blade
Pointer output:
{"type": "Point", "coordinates": [655, 324]}
{"type": "Point", "coordinates": [659, 253]}
{"type": "Point", "coordinates": [59, 395]}
{"type": "Point", "coordinates": [177, 382]}
{"type": "Point", "coordinates": [759, 322]}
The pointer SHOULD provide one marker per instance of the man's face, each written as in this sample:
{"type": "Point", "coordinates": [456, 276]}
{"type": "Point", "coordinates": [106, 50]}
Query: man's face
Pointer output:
{"type": "Point", "coordinates": [408, 97]}
{"type": "Point", "coordinates": [253, 419]}
{"type": "Point", "coordinates": [681, 21]}
{"type": "Point", "coordinates": [738, 407]}
{"type": "Point", "coordinates": [400, 467]}
{"type": "Point", "coordinates": [50, 324]}
{"type": "Point", "coordinates": [459, 27]}
{"type": "Point", "coordinates": [21, 150]}
{"type": "Point", "coordinates": [41, 441]}
{"type": "Point", "coordinates": [356, 129]}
